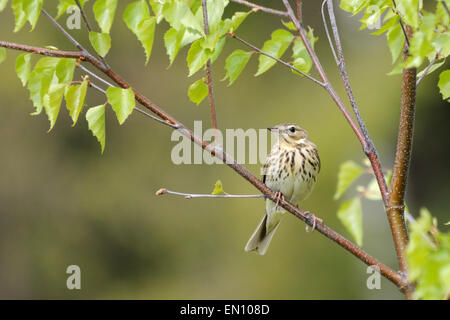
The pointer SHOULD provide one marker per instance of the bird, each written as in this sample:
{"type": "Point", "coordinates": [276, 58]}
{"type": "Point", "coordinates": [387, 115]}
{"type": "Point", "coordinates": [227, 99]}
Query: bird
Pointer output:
{"type": "Point", "coordinates": [291, 170]}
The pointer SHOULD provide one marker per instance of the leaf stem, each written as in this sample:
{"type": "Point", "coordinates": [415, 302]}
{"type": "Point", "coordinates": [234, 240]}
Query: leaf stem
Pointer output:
{"type": "Point", "coordinates": [260, 8]}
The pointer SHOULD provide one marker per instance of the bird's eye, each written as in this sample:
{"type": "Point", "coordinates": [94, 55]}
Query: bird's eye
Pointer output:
{"type": "Point", "coordinates": [292, 129]}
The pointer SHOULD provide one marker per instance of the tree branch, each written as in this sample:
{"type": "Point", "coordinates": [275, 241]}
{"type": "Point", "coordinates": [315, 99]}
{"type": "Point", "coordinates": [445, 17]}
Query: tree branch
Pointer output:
{"type": "Point", "coordinates": [427, 69]}
{"type": "Point", "coordinates": [389, 273]}
{"type": "Point", "coordinates": [401, 166]}
{"type": "Point", "coordinates": [370, 149]}
{"type": "Point", "coordinates": [212, 103]}
{"type": "Point", "coordinates": [402, 25]}
{"type": "Point", "coordinates": [260, 8]}
{"type": "Point", "coordinates": [232, 35]}
{"type": "Point", "coordinates": [163, 191]}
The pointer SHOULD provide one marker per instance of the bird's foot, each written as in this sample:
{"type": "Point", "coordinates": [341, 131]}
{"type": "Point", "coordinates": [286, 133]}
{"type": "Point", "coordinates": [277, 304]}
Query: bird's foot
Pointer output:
{"type": "Point", "coordinates": [279, 196]}
{"type": "Point", "coordinates": [315, 220]}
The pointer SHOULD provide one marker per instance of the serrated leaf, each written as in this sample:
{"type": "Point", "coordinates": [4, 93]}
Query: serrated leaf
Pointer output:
{"type": "Point", "coordinates": [348, 172]}
{"type": "Point", "coordinates": [157, 7]}
{"type": "Point", "coordinates": [420, 47]}
{"type": "Point", "coordinates": [146, 35]}
{"type": "Point", "coordinates": [65, 69]}
{"type": "Point", "coordinates": [20, 16]}
{"type": "Point", "coordinates": [75, 96]}
{"type": "Point", "coordinates": [95, 117]}
{"type": "Point", "coordinates": [442, 43]}
{"type": "Point", "coordinates": [33, 11]}
{"type": "Point", "coordinates": [101, 42]}
{"type": "Point", "coordinates": [52, 102]}
{"type": "Point", "coordinates": [428, 262]}
{"type": "Point", "coordinates": [197, 56]}
{"type": "Point", "coordinates": [276, 46]}
{"type": "Point", "coordinates": [444, 84]}
{"type": "Point", "coordinates": [104, 11]}
{"type": "Point", "coordinates": [172, 42]}
{"type": "Point", "coordinates": [198, 91]}
{"type": "Point", "coordinates": [218, 49]}
{"type": "Point", "coordinates": [350, 215]}
{"type": "Point", "coordinates": [122, 102]}
{"type": "Point", "coordinates": [2, 54]}
{"type": "Point", "coordinates": [179, 15]}
{"type": "Point", "coordinates": [396, 41]}
{"type": "Point", "coordinates": [353, 6]}
{"type": "Point", "coordinates": [23, 67]}
{"type": "Point", "coordinates": [235, 63]}
{"type": "Point", "coordinates": [409, 11]}
{"type": "Point", "coordinates": [42, 76]}
{"type": "Point", "coordinates": [218, 188]}
{"type": "Point", "coordinates": [289, 25]}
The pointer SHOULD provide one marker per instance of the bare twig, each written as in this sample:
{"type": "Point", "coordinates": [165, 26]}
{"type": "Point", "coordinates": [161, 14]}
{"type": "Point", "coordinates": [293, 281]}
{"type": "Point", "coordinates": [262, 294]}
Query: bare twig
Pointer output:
{"type": "Point", "coordinates": [260, 8]}
{"type": "Point", "coordinates": [300, 11]}
{"type": "Point", "coordinates": [402, 25]}
{"type": "Point", "coordinates": [197, 195]}
{"type": "Point", "coordinates": [88, 25]}
{"type": "Point", "coordinates": [427, 69]}
{"type": "Point", "coordinates": [369, 149]}
{"type": "Point", "coordinates": [401, 166]}
{"type": "Point", "coordinates": [232, 35]}
{"type": "Point", "coordinates": [212, 103]}
{"type": "Point", "coordinates": [325, 24]}
{"type": "Point", "coordinates": [386, 271]}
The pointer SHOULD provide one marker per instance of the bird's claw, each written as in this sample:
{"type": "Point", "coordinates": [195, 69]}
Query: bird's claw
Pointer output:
{"type": "Point", "coordinates": [279, 196]}
{"type": "Point", "coordinates": [314, 218]}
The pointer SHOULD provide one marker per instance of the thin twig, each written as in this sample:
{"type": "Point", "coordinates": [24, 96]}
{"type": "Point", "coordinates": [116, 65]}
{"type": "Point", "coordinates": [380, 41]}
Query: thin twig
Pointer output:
{"type": "Point", "coordinates": [88, 26]}
{"type": "Point", "coordinates": [260, 8]}
{"type": "Point", "coordinates": [197, 195]}
{"type": "Point", "coordinates": [209, 82]}
{"type": "Point", "coordinates": [232, 35]}
{"type": "Point", "coordinates": [370, 149]}
{"type": "Point", "coordinates": [402, 25]}
{"type": "Point", "coordinates": [386, 271]}
{"type": "Point", "coordinates": [300, 11]}
{"type": "Point", "coordinates": [325, 24]}
{"type": "Point", "coordinates": [425, 72]}
{"type": "Point", "coordinates": [63, 31]}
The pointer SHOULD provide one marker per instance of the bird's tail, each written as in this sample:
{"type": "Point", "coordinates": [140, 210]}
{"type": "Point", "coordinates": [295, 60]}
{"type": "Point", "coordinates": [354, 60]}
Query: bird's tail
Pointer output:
{"type": "Point", "coordinates": [260, 239]}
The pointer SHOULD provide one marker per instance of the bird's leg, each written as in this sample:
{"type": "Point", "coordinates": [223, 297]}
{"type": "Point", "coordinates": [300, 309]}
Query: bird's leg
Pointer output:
{"type": "Point", "coordinates": [279, 196]}
{"type": "Point", "coordinates": [315, 219]}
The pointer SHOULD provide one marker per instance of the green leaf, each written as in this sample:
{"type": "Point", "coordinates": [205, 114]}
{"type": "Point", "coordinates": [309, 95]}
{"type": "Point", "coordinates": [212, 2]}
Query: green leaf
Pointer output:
{"type": "Point", "coordinates": [348, 172]}
{"type": "Point", "coordinates": [104, 11]}
{"type": "Point", "coordinates": [235, 63]}
{"type": "Point", "coordinates": [198, 91]}
{"type": "Point", "coordinates": [3, 4]}
{"type": "Point", "coordinates": [101, 42]}
{"type": "Point", "coordinates": [354, 6]}
{"type": "Point", "coordinates": [2, 54]}
{"type": "Point", "coordinates": [276, 46]}
{"type": "Point", "coordinates": [289, 25]}
{"type": "Point", "coordinates": [65, 69]}
{"type": "Point", "coordinates": [52, 102]}
{"type": "Point", "coordinates": [215, 11]}
{"type": "Point", "coordinates": [197, 56]}
{"type": "Point", "coordinates": [20, 15]}
{"type": "Point", "coordinates": [444, 84]}
{"type": "Point", "coordinates": [372, 192]}
{"type": "Point", "coordinates": [122, 102]}
{"type": "Point", "coordinates": [146, 34]}
{"type": "Point", "coordinates": [33, 10]}
{"type": "Point", "coordinates": [218, 188]}
{"type": "Point", "coordinates": [350, 215]}
{"type": "Point", "coordinates": [23, 67]}
{"type": "Point", "coordinates": [134, 13]}
{"type": "Point", "coordinates": [138, 20]}
{"type": "Point", "coordinates": [157, 7]}
{"type": "Point", "coordinates": [442, 43]}
{"type": "Point", "coordinates": [218, 49]}
{"type": "Point", "coordinates": [179, 15]}
{"type": "Point", "coordinates": [409, 11]}
{"type": "Point", "coordinates": [75, 96]}
{"type": "Point", "coordinates": [396, 41]}
{"type": "Point", "coordinates": [428, 262]}
{"type": "Point", "coordinates": [95, 117]}
{"type": "Point", "coordinates": [302, 59]}
{"type": "Point", "coordinates": [172, 42]}
{"type": "Point", "coordinates": [420, 47]}
{"type": "Point", "coordinates": [42, 76]}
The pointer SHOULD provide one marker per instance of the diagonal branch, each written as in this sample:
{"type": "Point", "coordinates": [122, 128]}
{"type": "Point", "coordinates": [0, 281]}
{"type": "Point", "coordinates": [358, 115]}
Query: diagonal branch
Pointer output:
{"type": "Point", "coordinates": [232, 35]}
{"type": "Point", "coordinates": [370, 148]}
{"type": "Point", "coordinates": [306, 217]}
{"type": "Point", "coordinates": [212, 102]}
{"type": "Point", "coordinates": [163, 191]}
{"type": "Point", "coordinates": [260, 8]}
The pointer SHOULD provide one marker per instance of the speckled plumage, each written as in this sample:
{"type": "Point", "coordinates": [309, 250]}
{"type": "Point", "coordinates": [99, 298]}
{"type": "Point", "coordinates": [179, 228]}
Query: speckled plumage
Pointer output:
{"type": "Point", "coordinates": [291, 168]}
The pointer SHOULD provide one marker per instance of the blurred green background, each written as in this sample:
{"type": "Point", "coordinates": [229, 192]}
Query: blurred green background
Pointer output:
{"type": "Point", "coordinates": [63, 203]}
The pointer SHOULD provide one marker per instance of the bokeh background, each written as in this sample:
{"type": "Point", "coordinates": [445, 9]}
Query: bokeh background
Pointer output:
{"type": "Point", "coordinates": [63, 203]}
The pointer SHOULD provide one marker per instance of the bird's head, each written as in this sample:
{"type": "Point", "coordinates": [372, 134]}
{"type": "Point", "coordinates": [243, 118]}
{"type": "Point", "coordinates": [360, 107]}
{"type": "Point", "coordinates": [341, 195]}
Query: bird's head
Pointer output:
{"type": "Point", "coordinates": [289, 132]}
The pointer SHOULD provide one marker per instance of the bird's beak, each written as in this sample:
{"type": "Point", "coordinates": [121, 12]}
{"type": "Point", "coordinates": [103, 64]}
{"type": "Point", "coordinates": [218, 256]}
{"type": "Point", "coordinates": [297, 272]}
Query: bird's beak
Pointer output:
{"type": "Point", "coordinates": [272, 128]}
